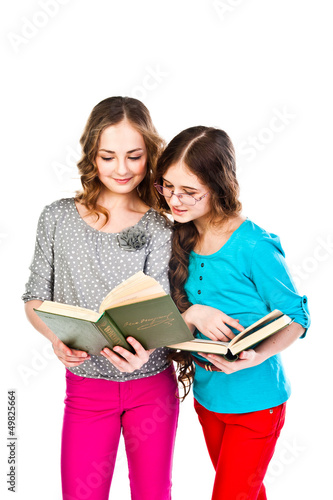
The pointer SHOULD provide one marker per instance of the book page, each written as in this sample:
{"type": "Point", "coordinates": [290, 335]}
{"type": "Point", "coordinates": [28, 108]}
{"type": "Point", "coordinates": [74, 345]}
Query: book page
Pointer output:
{"type": "Point", "coordinates": [136, 297]}
{"type": "Point", "coordinates": [255, 326]}
{"type": "Point", "coordinates": [261, 334]}
{"type": "Point", "coordinates": [137, 287]}
{"type": "Point", "coordinates": [202, 345]}
{"type": "Point", "coordinates": [68, 310]}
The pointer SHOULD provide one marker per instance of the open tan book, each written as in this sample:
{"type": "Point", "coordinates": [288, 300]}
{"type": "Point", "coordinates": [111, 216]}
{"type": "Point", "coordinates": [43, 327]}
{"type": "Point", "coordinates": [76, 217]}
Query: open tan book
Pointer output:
{"type": "Point", "coordinates": [258, 331]}
{"type": "Point", "coordinates": [137, 288]}
{"type": "Point", "coordinates": [138, 307]}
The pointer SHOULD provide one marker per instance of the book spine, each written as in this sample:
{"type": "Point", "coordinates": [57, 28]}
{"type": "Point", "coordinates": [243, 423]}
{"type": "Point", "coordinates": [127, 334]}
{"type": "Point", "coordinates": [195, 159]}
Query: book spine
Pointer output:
{"type": "Point", "coordinates": [230, 357]}
{"type": "Point", "coordinates": [111, 333]}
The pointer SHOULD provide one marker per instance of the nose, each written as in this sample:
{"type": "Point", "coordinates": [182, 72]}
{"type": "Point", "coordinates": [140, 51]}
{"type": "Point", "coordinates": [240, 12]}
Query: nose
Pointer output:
{"type": "Point", "coordinates": [122, 167]}
{"type": "Point", "coordinates": [175, 201]}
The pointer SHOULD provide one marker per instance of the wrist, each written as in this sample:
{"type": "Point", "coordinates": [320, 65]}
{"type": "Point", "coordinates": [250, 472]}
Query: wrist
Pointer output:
{"type": "Point", "coordinates": [262, 354]}
{"type": "Point", "coordinates": [54, 340]}
{"type": "Point", "coordinates": [188, 317]}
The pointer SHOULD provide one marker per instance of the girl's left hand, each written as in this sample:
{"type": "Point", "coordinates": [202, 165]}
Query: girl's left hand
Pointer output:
{"type": "Point", "coordinates": [127, 362]}
{"type": "Point", "coordinates": [247, 359]}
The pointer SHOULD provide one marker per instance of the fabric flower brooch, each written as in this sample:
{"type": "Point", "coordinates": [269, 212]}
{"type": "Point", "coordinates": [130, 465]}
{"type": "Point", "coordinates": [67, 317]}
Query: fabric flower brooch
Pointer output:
{"type": "Point", "coordinates": [132, 239]}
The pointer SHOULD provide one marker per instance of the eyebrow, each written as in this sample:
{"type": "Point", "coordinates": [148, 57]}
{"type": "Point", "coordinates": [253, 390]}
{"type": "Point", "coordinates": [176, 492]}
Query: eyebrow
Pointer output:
{"type": "Point", "coordinates": [128, 152]}
{"type": "Point", "coordinates": [183, 187]}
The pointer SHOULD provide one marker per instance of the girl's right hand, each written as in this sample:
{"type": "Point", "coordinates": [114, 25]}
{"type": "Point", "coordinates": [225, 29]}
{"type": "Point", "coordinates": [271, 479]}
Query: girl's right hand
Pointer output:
{"type": "Point", "coordinates": [69, 357]}
{"type": "Point", "coordinates": [211, 322]}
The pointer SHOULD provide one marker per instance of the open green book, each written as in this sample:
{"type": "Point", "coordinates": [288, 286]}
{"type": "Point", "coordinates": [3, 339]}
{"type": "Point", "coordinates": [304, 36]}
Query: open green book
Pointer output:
{"type": "Point", "coordinates": [258, 331]}
{"type": "Point", "coordinates": [138, 307]}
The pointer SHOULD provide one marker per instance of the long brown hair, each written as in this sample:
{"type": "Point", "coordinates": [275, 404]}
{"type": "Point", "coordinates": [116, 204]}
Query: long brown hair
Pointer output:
{"type": "Point", "coordinates": [112, 111]}
{"type": "Point", "coordinates": [209, 154]}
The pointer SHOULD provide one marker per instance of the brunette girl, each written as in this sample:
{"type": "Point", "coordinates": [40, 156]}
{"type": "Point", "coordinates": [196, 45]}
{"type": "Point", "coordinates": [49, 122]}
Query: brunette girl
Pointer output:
{"type": "Point", "coordinates": [85, 247]}
{"type": "Point", "coordinates": [222, 261]}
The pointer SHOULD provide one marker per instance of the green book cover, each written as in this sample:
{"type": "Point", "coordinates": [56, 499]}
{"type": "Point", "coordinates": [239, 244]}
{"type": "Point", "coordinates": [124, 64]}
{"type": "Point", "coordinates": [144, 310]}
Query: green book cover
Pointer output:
{"type": "Point", "coordinates": [154, 323]}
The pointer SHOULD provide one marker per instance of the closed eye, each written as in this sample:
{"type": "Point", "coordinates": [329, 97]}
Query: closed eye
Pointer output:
{"type": "Point", "coordinates": [169, 186]}
{"type": "Point", "coordinates": [134, 157]}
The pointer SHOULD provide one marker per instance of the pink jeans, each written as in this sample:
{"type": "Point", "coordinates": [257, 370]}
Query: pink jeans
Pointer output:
{"type": "Point", "coordinates": [96, 412]}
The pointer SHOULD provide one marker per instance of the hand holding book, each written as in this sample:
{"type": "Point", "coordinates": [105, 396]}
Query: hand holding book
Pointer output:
{"type": "Point", "coordinates": [69, 357]}
{"type": "Point", "coordinates": [140, 308]}
{"type": "Point", "coordinates": [253, 357]}
{"type": "Point", "coordinates": [248, 337]}
{"type": "Point", "coordinates": [137, 308]}
{"type": "Point", "coordinates": [127, 361]}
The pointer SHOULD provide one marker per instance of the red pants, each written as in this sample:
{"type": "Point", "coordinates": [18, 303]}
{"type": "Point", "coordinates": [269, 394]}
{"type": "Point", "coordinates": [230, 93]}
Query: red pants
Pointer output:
{"type": "Point", "coordinates": [97, 411]}
{"type": "Point", "coordinates": [241, 447]}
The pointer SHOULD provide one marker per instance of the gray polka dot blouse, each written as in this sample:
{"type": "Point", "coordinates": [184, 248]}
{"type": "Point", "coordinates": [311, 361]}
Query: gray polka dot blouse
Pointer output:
{"type": "Point", "coordinates": [76, 264]}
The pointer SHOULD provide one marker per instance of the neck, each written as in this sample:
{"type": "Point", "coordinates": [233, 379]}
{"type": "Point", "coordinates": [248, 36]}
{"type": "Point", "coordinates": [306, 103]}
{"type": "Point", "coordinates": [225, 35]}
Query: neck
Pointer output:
{"type": "Point", "coordinates": [111, 201]}
{"type": "Point", "coordinates": [206, 226]}
{"type": "Point", "coordinates": [213, 236]}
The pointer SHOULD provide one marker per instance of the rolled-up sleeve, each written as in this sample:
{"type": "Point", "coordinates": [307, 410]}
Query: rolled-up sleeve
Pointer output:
{"type": "Point", "coordinates": [40, 283]}
{"type": "Point", "coordinates": [274, 283]}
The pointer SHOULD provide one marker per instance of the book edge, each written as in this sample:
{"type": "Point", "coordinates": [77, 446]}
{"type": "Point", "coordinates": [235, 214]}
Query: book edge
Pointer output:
{"type": "Point", "coordinates": [242, 344]}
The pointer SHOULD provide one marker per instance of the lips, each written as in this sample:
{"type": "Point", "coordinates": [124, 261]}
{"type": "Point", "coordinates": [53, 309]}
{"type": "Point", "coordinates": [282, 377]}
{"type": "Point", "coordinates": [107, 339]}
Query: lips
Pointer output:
{"type": "Point", "coordinates": [176, 211]}
{"type": "Point", "coordinates": [122, 181]}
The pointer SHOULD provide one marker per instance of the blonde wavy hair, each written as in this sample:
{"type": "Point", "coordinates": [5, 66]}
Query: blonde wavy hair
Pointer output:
{"type": "Point", "coordinates": [112, 111]}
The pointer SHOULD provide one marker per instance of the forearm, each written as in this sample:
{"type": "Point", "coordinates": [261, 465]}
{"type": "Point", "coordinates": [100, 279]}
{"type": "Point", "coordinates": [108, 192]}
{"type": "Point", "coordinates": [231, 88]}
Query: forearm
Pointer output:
{"type": "Point", "coordinates": [35, 320]}
{"type": "Point", "coordinates": [69, 357]}
{"type": "Point", "coordinates": [279, 341]}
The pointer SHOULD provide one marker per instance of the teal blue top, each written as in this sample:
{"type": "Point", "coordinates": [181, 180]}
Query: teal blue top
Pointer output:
{"type": "Point", "coordinates": [246, 279]}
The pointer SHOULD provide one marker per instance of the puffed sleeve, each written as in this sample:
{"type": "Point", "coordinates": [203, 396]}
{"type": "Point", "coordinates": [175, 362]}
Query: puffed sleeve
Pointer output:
{"type": "Point", "coordinates": [40, 283]}
{"type": "Point", "coordinates": [159, 251]}
{"type": "Point", "coordinates": [274, 283]}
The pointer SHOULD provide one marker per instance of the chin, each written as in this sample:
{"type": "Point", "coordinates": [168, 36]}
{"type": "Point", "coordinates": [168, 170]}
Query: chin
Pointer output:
{"type": "Point", "coordinates": [181, 218]}
{"type": "Point", "coordinates": [119, 188]}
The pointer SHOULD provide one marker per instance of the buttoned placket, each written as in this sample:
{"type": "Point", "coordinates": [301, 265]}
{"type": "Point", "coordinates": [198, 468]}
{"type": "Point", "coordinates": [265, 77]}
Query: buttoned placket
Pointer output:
{"type": "Point", "coordinates": [201, 269]}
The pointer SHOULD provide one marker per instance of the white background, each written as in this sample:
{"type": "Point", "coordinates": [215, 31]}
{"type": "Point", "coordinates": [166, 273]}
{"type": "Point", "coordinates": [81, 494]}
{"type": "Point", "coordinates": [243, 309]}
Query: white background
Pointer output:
{"type": "Point", "coordinates": [237, 65]}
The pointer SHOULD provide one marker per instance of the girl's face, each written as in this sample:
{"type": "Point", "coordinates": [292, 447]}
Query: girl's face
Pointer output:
{"type": "Point", "coordinates": [179, 179]}
{"type": "Point", "coordinates": [121, 158]}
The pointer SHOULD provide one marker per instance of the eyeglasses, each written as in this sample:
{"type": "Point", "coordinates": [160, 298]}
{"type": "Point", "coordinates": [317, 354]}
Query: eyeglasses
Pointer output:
{"type": "Point", "coordinates": [186, 199]}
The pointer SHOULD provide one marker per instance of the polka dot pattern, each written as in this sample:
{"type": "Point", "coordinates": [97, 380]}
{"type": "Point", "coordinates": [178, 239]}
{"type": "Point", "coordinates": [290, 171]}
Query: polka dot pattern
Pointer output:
{"type": "Point", "coordinates": [76, 264]}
